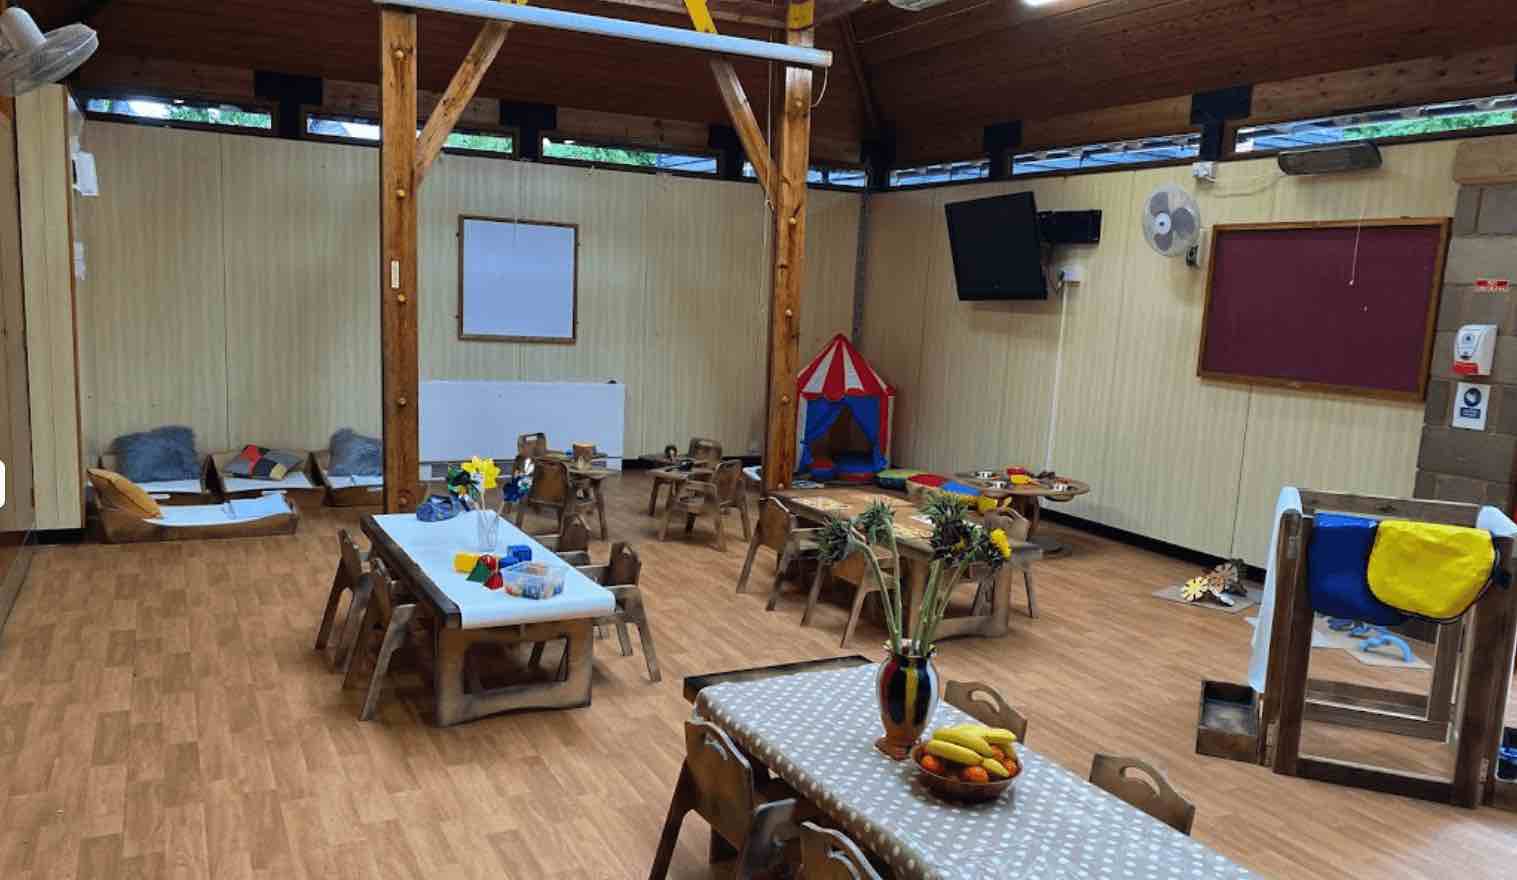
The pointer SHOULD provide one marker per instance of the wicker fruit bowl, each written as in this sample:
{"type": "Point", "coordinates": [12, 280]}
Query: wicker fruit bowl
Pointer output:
{"type": "Point", "coordinates": [953, 788]}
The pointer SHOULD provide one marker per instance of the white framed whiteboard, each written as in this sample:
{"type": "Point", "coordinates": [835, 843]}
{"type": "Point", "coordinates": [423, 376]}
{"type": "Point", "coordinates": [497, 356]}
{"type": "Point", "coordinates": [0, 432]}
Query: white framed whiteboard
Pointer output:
{"type": "Point", "coordinates": [518, 280]}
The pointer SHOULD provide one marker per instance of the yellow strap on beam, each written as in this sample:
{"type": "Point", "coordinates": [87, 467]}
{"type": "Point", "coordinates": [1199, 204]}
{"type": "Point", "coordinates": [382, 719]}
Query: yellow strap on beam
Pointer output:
{"type": "Point", "coordinates": [700, 16]}
{"type": "Point", "coordinates": [799, 15]}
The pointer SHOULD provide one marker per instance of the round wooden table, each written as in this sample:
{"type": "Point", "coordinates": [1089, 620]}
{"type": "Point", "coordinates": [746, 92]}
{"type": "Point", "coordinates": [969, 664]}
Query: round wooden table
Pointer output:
{"type": "Point", "coordinates": [1027, 499]}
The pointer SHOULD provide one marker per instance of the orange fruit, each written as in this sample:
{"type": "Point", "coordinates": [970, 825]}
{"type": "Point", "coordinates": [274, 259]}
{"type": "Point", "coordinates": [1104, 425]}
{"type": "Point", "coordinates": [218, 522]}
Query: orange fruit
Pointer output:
{"type": "Point", "coordinates": [998, 753]}
{"type": "Point", "coordinates": [932, 764]}
{"type": "Point", "coordinates": [975, 774]}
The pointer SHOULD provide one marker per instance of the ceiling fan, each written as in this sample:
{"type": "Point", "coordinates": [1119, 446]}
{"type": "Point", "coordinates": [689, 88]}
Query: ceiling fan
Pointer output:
{"type": "Point", "coordinates": [29, 58]}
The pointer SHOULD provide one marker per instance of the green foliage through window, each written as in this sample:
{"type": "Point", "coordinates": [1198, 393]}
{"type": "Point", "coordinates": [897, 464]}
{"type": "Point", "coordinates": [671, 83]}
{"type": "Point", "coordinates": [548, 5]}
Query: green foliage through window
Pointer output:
{"type": "Point", "coordinates": [180, 111]}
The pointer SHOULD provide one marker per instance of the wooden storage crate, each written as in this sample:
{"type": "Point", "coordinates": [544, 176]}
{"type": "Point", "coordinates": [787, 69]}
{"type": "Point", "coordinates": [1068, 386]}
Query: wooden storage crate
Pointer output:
{"type": "Point", "coordinates": [1227, 724]}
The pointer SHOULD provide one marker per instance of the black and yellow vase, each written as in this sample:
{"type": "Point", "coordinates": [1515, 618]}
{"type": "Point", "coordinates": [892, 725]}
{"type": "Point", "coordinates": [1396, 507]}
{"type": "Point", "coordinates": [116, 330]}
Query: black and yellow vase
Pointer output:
{"type": "Point", "coordinates": [907, 685]}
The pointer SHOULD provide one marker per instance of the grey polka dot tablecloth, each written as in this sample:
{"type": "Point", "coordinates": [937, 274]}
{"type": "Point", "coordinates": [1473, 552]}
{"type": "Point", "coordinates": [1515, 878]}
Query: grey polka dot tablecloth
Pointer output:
{"type": "Point", "coordinates": [816, 730]}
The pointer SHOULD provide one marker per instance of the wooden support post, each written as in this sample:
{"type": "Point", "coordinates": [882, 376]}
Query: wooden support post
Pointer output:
{"type": "Point", "coordinates": [460, 92]}
{"type": "Point", "coordinates": [400, 379]}
{"type": "Point", "coordinates": [788, 193]}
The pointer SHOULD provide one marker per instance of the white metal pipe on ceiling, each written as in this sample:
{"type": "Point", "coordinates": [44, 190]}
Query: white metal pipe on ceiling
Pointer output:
{"type": "Point", "coordinates": [558, 19]}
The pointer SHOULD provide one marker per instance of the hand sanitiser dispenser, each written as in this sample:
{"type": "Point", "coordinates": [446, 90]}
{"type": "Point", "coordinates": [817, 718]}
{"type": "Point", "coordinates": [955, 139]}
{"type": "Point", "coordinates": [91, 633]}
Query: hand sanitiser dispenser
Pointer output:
{"type": "Point", "coordinates": [1474, 349]}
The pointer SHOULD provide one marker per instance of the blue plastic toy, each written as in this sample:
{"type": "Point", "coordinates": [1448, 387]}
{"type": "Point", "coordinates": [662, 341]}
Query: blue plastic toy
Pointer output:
{"type": "Point", "coordinates": [1382, 638]}
{"type": "Point", "coordinates": [518, 553]}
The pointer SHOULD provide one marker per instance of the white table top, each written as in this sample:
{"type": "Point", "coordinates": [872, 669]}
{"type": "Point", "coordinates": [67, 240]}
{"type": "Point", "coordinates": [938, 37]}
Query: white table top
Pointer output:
{"type": "Point", "coordinates": [816, 730]}
{"type": "Point", "coordinates": [431, 546]}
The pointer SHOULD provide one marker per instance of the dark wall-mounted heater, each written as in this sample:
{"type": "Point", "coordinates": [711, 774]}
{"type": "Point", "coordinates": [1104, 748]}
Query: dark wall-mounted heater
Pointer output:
{"type": "Point", "coordinates": [1361, 156]}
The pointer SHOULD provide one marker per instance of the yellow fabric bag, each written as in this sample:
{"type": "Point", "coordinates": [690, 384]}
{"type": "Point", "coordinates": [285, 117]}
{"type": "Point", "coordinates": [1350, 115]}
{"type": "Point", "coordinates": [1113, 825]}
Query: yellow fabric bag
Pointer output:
{"type": "Point", "coordinates": [1430, 570]}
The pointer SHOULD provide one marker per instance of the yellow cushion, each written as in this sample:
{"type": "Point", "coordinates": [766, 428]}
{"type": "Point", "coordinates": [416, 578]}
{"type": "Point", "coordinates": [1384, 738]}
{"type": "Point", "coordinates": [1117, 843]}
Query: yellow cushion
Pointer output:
{"type": "Point", "coordinates": [1430, 570]}
{"type": "Point", "coordinates": [123, 494]}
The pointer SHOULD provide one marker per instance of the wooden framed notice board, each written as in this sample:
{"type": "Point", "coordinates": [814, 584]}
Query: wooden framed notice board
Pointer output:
{"type": "Point", "coordinates": [518, 280]}
{"type": "Point", "coordinates": [1340, 306]}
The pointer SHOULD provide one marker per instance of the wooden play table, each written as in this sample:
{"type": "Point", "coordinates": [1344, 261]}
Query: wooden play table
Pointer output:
{"type": "Point", "coordinates": [1027, 499]}
{"type": "Point", "coordinates": [913, 540]}
{"type": "Point", "coordinates": [464, 614]}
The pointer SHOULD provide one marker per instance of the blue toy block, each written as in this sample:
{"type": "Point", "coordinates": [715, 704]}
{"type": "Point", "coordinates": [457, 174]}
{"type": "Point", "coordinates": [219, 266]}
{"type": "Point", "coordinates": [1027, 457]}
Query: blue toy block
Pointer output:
{"type": "Point", "coordinates": [518, 553]}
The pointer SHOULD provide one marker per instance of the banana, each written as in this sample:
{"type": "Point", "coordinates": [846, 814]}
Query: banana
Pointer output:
{"type": "Point", "coordinates": [995, 768]}
{"type": "Point", "coordinates": [998, 736]}
{"type": "Point", "coordinates": [966, 738]}
{"type": "Point", "coordinates": [951, 752]}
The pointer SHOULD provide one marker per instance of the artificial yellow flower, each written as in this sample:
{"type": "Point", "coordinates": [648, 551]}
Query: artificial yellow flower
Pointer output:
{"type": "Point", "coordinates": [485, 471]}
{"type": "Point", "coordinates": [984, 504]}
{"type": "Point", "coordinates": [1194, 589]}
{"type": "Point", "coordinates": [1003, 543]}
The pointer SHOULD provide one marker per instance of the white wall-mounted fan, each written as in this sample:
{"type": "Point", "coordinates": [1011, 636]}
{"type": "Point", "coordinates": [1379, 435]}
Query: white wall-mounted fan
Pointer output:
{"type": "Point", "coordinates": [30, 58]}
{"type": "Point", "coordinates": [1172, 223]}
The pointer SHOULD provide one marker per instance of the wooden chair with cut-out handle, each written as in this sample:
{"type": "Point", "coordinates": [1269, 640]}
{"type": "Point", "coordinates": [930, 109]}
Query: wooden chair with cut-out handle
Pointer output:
{"type": "Point", "coordinates": [830, 855]}
{"type": "Point", "coordinates": [1154, 795]}
{"type": "Point", "coordinates": [747, 812]}
{"type": "Point", "coordinates": [390, 608]}
{"type": "Point", "coordinates": [715, 497]}
{"type": "Point", "coordinates": [779, 530]}
{"type": "Point", "coordinates": [855, 571]}
{"type": "Point", "coordinates": [620, 575]}
{"type": "Point", "coordinates": [350, 578]}
{"type": "Point", "coordinates": [706, 454]}
{"type": "Point", "coordinates": [985, 704]}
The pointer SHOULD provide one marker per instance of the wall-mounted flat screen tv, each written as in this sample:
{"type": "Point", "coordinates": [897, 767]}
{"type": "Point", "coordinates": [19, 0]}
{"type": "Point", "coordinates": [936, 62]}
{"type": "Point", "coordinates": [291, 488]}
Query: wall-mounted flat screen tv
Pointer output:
{"type": "Point", "coordinates": [997, 248]}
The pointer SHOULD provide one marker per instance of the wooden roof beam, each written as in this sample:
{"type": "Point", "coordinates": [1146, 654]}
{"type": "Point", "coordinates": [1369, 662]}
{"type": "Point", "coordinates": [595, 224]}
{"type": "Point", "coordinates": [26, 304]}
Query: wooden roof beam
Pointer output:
{"type": "Point", "coordinates": [460, 92]}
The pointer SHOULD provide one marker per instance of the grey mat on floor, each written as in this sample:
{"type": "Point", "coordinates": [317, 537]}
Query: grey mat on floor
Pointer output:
{"type": "Point", "coordinates": [1240, 603]}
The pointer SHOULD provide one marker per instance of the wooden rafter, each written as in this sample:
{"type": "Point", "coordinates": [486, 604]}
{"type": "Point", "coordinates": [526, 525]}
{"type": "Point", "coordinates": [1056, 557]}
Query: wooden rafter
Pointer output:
{"type": "Point", "coordinates": [460, 92]}
{"type": "Point", "coordinates": [743, 120]}
{"type": "Point", "coordinates": [860, 75]}
{"type": "Point", "coordinates": [750, 12]}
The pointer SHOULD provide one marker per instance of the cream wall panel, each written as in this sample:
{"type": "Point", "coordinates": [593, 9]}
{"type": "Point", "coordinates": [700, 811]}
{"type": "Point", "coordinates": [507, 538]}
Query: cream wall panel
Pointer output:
{"type": "Point", "coordinates": [15, 434]}
{"type": "Point", "coordinates": [896, 271]}
{"type": "Point", "coordinates": [47, 274]}
{"type": "Point", "coordinates": [832, 262]}
{"type": "Point", "coordinates": [302, 290]}
{"type": "Point", "coordinates": [1171, 457]}
{"type": "Point", "coordinates": [1327, 441]}
{"type": "Point", "coordinates": [673, 280]}
{"type": "Point", "coordinates": [152, 307]}
{"type": "Point", "coordinates": [1172, 466]}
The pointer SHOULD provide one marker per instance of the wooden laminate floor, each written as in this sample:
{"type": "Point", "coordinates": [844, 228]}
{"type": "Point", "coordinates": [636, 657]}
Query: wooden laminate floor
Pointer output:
{"type": "Point", "coordinates": [162, 714]}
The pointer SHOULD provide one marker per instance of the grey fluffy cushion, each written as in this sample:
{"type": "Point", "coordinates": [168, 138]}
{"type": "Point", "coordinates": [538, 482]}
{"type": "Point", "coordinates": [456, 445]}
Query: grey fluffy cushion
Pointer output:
{"type": "Point", "coordinates": [354, 455]}
{"type": "Point", "coordinates": [166, 453]}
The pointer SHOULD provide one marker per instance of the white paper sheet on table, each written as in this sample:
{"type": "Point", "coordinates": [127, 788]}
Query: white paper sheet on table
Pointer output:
{"type": "Point", "coordinates": [432, 547]}
{"type": "Point", "coordinates": [292, 480]}
{"type": "Point", "coordinates": [172, 487]}
{"type": "Point", "coordinates": [234, 511]}
{"type": "Point", "coordinates": [1489, 518]}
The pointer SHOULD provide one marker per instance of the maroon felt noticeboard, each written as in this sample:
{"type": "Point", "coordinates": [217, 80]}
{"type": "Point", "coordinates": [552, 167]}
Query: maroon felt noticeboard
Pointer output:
{"type": "Point", "coordinates": [1343, 306]}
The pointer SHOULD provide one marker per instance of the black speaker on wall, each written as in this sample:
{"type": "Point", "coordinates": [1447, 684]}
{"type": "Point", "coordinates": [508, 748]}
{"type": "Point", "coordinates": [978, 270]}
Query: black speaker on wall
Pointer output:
{"type": "Point", "coordinates": [1070, 227]}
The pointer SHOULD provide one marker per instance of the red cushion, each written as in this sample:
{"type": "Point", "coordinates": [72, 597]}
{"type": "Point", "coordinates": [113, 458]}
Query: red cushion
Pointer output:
{"type": "Point", "coordinates": [932, 480]}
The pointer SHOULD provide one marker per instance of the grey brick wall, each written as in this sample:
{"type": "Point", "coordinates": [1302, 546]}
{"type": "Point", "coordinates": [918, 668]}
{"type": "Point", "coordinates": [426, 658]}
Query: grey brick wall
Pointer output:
{"type": "Point", "coordinates": [1454, 464]}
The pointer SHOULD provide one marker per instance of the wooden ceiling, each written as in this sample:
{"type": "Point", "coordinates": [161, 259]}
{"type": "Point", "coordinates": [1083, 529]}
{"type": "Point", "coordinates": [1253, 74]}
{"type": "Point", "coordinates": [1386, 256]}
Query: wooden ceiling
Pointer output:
{"type": "Point", "coordinates": [961, 65]}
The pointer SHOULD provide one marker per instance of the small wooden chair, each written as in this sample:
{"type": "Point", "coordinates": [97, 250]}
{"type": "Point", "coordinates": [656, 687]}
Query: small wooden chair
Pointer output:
{"type": "Point", "coordinates": [552, 488]}
{"type": "Point", "coordinates": [985, 704]}
{"type": "Point", "coordinates": [391, 609]}
{"type": "Point", "coordinates": [707, 455]}
{"type": "Point", "coordinates": [534, 445]}
{"type": "Point", "coordinates": [1154, 796]}
{"type": "Point", "coordinates": [698, 498]}
{"type": "Point", "coordinates": [352, 579]}
{"type": "Point", "coordinates": [1024, 554]}
{"type": "Point", "coordinates": [853, 570]}
{"type": "Point", "coordinates": [718, 783]}
{"type": "Point", "coordinates": [830, 855]}
{"type": "Point", "coordinates": [572, 545]}
{"type": "Point", "coordinates": [620, 575]}
{"type": "Point", "coordinates": [779, 530]}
